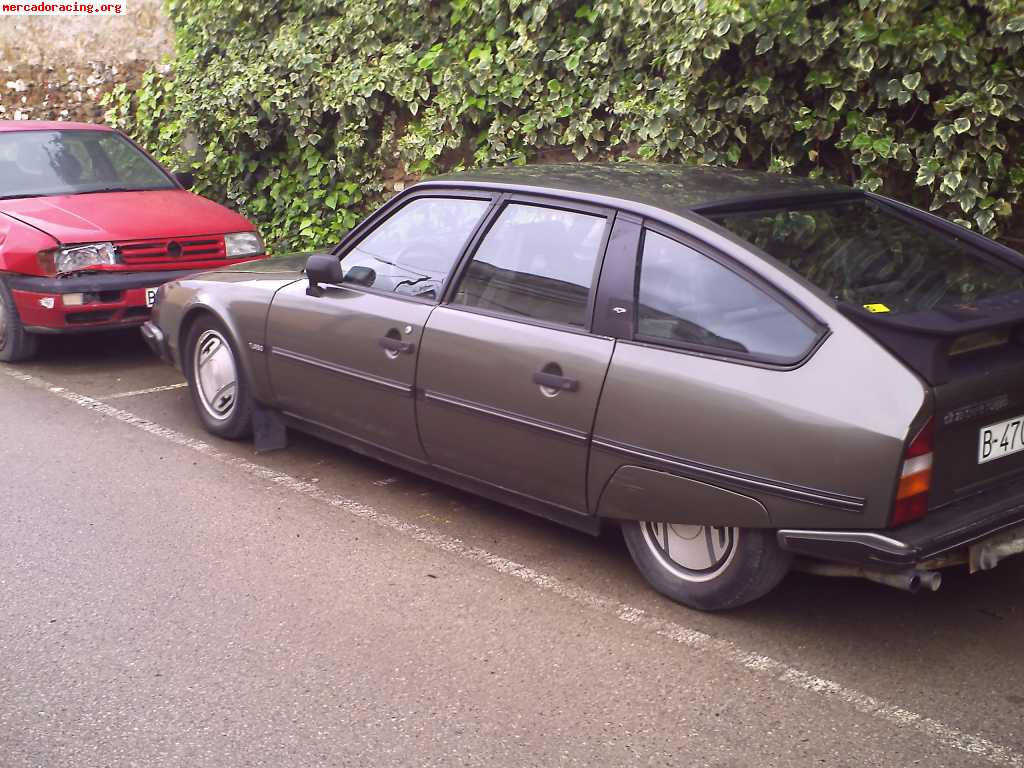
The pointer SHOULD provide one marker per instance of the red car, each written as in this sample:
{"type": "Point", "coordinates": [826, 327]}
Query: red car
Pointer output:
{"type": "Point", "coordinates": [90, 226]}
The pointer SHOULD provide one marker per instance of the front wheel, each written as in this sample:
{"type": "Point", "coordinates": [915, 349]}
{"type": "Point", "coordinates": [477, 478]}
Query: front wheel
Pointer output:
{"type": "Point", "coordinates": [706, 567]}
{"type": "Point", "coordinates": [15, 342]}
{"type": "Point", "coordinates": [220, 390]}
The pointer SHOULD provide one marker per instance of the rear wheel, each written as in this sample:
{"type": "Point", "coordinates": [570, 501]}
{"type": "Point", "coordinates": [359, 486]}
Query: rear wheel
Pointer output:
{"type": "Point", "coordinates": [15, 342]}
{"type": "Point", "coordinates": [220, 390]}
{"type": "Point", "coordinates": [706, 567]}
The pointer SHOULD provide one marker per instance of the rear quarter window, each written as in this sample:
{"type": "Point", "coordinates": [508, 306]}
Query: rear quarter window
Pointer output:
{"type": "Point", "coordinates": [685, 298]}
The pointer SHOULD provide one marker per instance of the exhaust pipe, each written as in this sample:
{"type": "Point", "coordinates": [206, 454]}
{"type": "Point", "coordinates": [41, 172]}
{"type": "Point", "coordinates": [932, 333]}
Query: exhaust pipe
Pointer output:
{"type": "Point", "coordinates": [909, 580]}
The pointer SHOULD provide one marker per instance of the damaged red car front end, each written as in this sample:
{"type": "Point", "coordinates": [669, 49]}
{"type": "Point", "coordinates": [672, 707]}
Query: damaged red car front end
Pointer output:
{"type": "Point", "coordinates": [91, 226]}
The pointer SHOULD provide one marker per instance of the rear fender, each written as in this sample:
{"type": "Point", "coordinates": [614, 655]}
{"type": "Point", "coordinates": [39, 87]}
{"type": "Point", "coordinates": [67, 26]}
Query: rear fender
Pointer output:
{"type": "Point", "coordinates": [638, 493]}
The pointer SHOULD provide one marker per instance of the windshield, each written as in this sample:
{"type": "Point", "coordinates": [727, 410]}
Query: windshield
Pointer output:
{"type": "Point", "coordinates": [865, 253]}
{"type": "Point", "coordinates": [74, 162]}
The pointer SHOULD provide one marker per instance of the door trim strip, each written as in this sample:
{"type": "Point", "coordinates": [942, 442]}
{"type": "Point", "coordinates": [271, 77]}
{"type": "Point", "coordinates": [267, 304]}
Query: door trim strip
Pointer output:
{"type": "Point", "coordinates": [699, 471]}
{"type": "Point", "coordinates": [515, 418]}
{"type": "Point", "coordinates": [397, 386]}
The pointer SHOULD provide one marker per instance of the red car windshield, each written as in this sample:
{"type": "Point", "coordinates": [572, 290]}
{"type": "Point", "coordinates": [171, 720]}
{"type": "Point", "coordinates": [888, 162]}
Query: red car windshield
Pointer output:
{"type": "Point", "coordinates": [37, 163]}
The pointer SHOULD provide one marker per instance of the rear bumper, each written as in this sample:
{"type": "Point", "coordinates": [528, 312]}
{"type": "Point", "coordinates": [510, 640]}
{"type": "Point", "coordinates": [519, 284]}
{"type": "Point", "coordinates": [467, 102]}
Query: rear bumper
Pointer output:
{"type": "Point", "coordinates": [942, 533]}
{"type": "Point", "coordinates": [102, 301]}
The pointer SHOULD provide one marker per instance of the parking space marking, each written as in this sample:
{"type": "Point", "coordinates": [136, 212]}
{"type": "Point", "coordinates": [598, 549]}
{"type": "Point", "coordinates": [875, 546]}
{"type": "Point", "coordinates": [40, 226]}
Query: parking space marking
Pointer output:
{"type": "Point", "coordinates": [150, 391]}
{"type": "Point", "coordinates": [938, 732]}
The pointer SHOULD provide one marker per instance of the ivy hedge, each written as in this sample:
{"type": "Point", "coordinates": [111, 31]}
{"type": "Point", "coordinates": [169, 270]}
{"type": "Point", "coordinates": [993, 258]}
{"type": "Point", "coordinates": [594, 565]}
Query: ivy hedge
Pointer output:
{"type": "Point", "coordinates": [302, 113]}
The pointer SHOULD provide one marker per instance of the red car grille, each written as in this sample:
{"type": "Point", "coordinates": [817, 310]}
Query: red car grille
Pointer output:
{"type": "Point", "coordinates": [176, 250]}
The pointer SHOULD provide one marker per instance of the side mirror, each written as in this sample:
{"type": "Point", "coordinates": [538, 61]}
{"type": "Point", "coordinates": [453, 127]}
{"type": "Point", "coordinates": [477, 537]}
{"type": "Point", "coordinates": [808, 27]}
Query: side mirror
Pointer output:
{"type": "Point", "coordinates": [322, 268]}
{"type": "Point", "coordinates": [364, 276]}
{"type": "Point", "coordinates": [187, 179]}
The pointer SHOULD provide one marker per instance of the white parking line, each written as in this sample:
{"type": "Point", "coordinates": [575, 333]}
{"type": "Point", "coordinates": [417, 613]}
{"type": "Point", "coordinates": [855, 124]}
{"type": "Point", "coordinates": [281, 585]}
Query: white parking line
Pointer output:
{"type": "Point", "coordinates": [149, 391]}
{"type": "Point", "coordinates": [893, 714]}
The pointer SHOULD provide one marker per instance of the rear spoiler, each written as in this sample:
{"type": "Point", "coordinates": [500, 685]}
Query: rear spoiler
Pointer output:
{"type": "Point", "coordinates": [924, 340]}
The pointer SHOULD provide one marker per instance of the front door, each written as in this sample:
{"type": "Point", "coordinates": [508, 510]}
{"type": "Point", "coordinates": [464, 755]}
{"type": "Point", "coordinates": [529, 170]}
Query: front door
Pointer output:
{"type": "Point", "coordinates": [510, 377]}
{"type": "Point", "coordinates": [344, 357]}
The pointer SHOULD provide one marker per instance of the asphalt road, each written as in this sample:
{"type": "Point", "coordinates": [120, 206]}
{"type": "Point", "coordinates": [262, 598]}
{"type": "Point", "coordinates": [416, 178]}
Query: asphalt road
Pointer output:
{"type": "Point", "coordinates": [168, 599]}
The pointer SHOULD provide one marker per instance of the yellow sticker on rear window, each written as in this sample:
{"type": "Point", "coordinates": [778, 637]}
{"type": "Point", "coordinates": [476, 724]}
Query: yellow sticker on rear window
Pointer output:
{"type": "Point", "coordinates": [876, 308]}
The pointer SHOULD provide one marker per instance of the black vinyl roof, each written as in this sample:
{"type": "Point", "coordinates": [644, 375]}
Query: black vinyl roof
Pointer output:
{"type": "Point", "coordinates": [674, 188]}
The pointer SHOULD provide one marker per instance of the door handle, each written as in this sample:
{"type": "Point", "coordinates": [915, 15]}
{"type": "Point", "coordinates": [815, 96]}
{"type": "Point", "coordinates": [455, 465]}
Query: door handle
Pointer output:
{"type": "Point", "coordinates": [396, 345]}
{"type": "Point", "coordinates": [555, 381]}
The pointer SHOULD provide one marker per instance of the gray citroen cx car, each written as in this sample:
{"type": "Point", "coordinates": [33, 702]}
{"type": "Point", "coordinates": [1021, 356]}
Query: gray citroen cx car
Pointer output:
{"type": "Point", "coordinates": [749, 372]}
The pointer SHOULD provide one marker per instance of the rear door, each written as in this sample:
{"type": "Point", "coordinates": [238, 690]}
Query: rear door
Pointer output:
{"type": "Point", "coordinates": [344, 357]}
{"type": "Point", "coordinates": [510, 375]}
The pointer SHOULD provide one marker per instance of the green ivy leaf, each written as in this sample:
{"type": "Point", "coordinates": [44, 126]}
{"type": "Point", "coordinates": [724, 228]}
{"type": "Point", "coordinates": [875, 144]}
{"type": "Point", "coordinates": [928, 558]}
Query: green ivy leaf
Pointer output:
{"type": "Point", "coordinates": [861, 141]}
{"type": "Point", "coordinates": [882, 146]}
{"type": "Point", "coordinates": [985, 220]}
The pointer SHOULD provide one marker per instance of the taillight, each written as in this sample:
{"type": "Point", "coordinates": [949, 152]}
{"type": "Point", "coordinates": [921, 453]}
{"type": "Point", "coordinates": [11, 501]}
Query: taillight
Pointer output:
{"type": "Point", "coordinates": [915, 477]}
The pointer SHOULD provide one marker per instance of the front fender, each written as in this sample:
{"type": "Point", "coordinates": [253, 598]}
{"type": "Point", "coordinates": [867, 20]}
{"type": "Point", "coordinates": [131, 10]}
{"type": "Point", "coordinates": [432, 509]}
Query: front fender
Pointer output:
{"type": "Point", "coordinates": [20, 245]}
{"type": "Point", "coordinates": [243, 312]}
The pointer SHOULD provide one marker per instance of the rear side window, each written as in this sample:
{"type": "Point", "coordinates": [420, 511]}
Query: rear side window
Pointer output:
{"type": "Point", "coordinates": [863, 252]}
{"type": "Point", "coordinates": [535, 263]}
{"type": "Point", "coordinates": [685, 298]}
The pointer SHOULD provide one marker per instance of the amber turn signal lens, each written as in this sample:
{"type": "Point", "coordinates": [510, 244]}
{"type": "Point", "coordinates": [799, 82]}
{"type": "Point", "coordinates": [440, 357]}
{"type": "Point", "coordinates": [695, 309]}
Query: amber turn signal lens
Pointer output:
{"type": "Point", "coordinates": [914, 484]}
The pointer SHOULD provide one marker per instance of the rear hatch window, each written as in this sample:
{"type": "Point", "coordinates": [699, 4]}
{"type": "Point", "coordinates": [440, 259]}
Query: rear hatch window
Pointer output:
{"type": "Point", "coordinates": [867, 254]}
{"type": "Point", "coordinates": [950, 307]}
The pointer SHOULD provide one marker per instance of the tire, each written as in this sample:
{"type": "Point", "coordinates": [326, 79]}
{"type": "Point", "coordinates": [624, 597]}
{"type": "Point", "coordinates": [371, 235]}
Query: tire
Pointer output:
{"type": "Point", "coordinates": [221, 392]}
{"type": "Point", "coordinates": [703, 567]}
{"type": "Point", "coordinates": [16, 343]}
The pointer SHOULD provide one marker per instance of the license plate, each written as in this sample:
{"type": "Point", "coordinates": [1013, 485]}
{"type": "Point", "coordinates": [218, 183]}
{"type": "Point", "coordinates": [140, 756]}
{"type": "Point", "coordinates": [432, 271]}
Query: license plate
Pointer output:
{"type": "Point", "coordinates": [151, 296]}
{"type": "Point", "coordinates": [998, 440]}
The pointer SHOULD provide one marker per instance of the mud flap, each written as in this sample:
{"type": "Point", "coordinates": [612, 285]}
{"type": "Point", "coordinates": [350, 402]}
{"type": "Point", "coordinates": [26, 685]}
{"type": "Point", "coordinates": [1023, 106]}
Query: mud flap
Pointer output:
{"type": "Point", "coordinates": [269, 432]}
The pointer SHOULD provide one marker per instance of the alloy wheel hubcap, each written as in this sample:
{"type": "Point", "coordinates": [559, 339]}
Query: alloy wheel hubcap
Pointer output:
{"type": "Point", "coordinates": [215, 375]}
{"type": "Point", "coordinates": [691, 552]}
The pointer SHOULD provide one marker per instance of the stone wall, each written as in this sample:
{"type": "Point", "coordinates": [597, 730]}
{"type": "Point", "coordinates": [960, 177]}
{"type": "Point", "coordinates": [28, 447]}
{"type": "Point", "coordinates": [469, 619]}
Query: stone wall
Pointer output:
{"type": "Point", "coordinates": [59, 68]}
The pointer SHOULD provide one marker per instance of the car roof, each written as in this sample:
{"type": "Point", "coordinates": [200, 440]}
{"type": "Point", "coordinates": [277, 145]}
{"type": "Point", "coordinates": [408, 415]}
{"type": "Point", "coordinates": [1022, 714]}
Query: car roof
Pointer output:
{"type": "Point", "coordinates": [675, 188]}
{"type": "Point", "coordinates": [49, 125]}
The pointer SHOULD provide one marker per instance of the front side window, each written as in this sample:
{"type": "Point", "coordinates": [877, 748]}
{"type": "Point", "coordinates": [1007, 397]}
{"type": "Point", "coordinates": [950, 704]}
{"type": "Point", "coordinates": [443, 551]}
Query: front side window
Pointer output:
{"type": "Point", "coordinates": [687, 298]}
{"type": "Point", "coordinates": [413, 251]}
{"type": "Point", "coordinates": [42, 163]}
{"type": "Point", "coordinates": [536, 263]}
{"type": "Point", "coordinates": [864, 253]}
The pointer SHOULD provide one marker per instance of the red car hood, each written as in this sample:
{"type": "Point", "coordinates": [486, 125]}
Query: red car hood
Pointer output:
{"type": "Point", "coordinates": [105, 216]}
